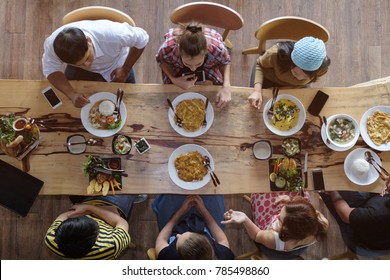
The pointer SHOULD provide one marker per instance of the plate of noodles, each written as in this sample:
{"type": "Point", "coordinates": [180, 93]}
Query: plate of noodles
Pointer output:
{"type": "Point", "coordinates": [358, 170]}
{"type": "Point", "coordinates": [185, 167]}
{"type": "Point", "coordinates": [190, 107]}
{"type": "Point", "coordinates": [375, 128]}
{"type": "Point", "coordinates": [96, 116]}
{"type": "Point", "coordinates": [289, 115]}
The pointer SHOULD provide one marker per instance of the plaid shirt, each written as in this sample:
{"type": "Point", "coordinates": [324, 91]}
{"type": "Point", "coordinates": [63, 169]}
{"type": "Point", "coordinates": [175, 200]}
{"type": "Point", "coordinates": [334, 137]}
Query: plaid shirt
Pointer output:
{"type": "Point", "coordinates": [217, 55]}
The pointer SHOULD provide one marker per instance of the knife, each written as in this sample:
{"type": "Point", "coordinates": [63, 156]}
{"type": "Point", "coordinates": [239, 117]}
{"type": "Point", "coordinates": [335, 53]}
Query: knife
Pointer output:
{"type": "Point", "coordinates": [305, 170]}
{"type": "Point", "coordinates": [110, 172]}
{"type": "Point", "coordinates": [27, 150]}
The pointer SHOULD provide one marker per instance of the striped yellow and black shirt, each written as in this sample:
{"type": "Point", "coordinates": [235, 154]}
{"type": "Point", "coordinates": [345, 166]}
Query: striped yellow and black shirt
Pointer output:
{"type": "Point", "coordinates": [109, 244]}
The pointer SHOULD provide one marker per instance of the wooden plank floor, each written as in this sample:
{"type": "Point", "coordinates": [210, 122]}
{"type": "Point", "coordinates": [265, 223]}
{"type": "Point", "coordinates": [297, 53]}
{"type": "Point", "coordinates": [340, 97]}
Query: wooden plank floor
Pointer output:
{"type": "Point", "coordinates": [359, 47]}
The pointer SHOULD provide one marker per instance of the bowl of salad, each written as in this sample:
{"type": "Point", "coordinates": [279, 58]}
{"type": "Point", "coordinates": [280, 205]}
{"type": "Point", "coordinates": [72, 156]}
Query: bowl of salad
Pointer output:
{"type": "Point", "coordinates": [121, 144]}
{"type": "Point", "coordinates": [342, 130]}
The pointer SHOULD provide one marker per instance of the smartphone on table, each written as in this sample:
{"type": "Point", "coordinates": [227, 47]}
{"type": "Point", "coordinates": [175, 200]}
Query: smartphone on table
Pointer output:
{"type": "Point", "coordinates": [318, 103]}
{"type": "Point", "coordinates": [318, 180]}
{"type": "Point", "coordinates": [52, 97]}
{"type": "Point", "coordinates": [199, 74]}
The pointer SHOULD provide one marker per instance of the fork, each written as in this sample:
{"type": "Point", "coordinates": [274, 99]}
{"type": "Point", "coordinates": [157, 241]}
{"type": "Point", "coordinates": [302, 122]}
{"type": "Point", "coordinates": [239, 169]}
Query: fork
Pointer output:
{"type": "Point", "coordinates": [270, 112]}
{"type": "Point", "coordinates": [116, 114]}
{"type": "Point", "coordinates": [368, 157]}
{"type": "Point", "coordinates": [179, 121]}
{"type": "Point", "coordinates": [205, 112]}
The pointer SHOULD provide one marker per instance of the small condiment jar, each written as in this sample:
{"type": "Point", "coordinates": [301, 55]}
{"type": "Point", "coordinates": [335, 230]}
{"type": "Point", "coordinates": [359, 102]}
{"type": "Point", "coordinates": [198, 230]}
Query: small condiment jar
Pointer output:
{"type": "Point", "coordinates": [19, 124]}
{"type": "Point", "coordinates": [262, 149]}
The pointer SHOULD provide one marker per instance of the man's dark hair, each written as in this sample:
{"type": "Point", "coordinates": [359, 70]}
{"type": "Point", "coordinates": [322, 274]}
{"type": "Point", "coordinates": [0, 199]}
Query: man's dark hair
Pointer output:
{"type": "Point", "coordinates": [76, 236]}
{"type": "Point", "coordinates": [70, 45]}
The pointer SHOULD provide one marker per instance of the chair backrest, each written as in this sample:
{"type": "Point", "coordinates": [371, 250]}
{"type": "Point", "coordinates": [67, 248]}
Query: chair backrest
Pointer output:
{"type": "Point", "coordinates": [208, 13]}
{"type": "Point", "coordinates": [95, 13]}
{"type": "Point", "coordinates": [152, 254]}
{"type": "Point", "coordinates": [287, 28]}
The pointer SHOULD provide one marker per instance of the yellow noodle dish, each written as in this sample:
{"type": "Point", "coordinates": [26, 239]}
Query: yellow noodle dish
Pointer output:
{"type": "Point", "coordinates": [192, 112]}
{"type": "Point", "coordinates": [190, 166]}
{"type": "Point", "coordinates": [286, 115]}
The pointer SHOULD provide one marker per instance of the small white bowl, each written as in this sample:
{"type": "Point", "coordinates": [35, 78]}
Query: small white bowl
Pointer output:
{"type": "Point", "coordinates": [352, 141]}
{"type": "Point", "coordinates": [262, 149]}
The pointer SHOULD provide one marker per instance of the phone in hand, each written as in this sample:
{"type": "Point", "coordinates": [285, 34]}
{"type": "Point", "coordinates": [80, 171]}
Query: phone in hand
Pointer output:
{"type": "Point", "coordinates": [318, 103]}
{"type": "Point", "coordinates": [199, 74]}
{"type": "Point", "coordinates": [52, 97]}
{"type": "Point", "coordinates": [318, 180]}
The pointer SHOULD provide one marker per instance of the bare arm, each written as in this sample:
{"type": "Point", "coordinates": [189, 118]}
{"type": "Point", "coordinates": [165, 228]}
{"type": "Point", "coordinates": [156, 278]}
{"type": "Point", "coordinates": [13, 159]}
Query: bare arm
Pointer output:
{"type": "Point", "coordinates": [215, 230]}
{"type": "Point", "coordinates": [60, 82]}
{"type": "Point", "coordinates": [110, 217]}
{"type": "Point", "coordinates": [341, 206]}
{"type": "Point", "coordinates": [121, 74]}
{"type": "Point", "coordinates": [224, 96]}
{"type": "Point", "coordinates": [166, 231]}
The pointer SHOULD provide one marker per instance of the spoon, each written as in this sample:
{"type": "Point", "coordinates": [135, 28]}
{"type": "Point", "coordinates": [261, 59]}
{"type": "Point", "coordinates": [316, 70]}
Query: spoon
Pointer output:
{"type": "Point", "coordinates": [270, 112]}
{"type": "Point", "coordinates": [326, 123]}
{"type": "Point", "coordinates": [206, 162]}
{"type": "Point", "coordinates": [369, 158]}
{"type": "Point", "coordinates": [179, 122]}
{"type": "Point", "coordinates": [89, 142]}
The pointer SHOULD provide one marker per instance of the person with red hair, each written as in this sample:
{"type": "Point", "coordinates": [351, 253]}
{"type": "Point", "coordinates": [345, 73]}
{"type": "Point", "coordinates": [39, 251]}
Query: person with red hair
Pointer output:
{"type": "Point", "coordinates": [297, 225]}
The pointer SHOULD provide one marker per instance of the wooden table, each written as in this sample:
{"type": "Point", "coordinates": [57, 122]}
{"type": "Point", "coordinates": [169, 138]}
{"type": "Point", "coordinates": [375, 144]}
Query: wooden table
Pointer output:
{"type": "Point", "coordinates": [229, 140]}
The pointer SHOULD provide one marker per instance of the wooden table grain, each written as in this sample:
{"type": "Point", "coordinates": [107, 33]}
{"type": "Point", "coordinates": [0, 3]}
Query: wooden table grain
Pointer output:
{"type": "Point", "coordinates": [229, 140]}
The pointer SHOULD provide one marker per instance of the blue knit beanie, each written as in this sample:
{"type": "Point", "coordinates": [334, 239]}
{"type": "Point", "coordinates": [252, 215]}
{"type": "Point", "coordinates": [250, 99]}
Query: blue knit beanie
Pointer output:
{"type": "Point", "coordinates": [308, 53]}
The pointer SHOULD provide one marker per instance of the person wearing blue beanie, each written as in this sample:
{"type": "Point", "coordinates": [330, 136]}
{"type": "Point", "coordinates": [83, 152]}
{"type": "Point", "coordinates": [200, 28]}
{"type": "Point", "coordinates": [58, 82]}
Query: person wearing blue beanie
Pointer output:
{"type": "Point", "coordinates": [289, 64]}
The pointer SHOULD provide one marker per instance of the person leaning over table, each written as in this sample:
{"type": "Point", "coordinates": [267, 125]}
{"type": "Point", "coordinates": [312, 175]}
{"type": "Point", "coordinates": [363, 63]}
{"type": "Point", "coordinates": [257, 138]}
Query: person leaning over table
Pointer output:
{"type": "Point", "coordinates": [96, 228]}
{"type": "Point", "coordinates": [289, 65]}
{"type": "Point", "coordinates": [364, 217]}
{"type": "Point", "coordinates": [98, 50]}
{"type": "Point", "coordinates": [194, 48]}
{"type": "Point", "coordinates": [293, 227]}
{"type": "Point", "coordinates": [190, 227]}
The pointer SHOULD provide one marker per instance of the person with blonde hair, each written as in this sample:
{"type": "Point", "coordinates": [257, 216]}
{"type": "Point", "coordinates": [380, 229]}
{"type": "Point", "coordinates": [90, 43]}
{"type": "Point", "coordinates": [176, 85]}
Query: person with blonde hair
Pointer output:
{"type": "Point", "coordinates": [192, 49]}
{"type": "Point", "coordinates": [190, 228]}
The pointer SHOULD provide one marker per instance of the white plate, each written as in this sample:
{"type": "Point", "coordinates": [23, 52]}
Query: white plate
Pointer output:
{"type": "Point", "coordinates": [173, 172]}
{"type": "Point", "coordinates": [330, 145]}
{"type": "Point", "coordinates": [363, 128]}
{"type": "Point", "coordinates": [209, 114]}
{"type": "Point", "coordinates": [297, 127]}
{"type": "Point", "coordinates": [85, 114]}
{"type": "Point", "coordinates": [357, 179]}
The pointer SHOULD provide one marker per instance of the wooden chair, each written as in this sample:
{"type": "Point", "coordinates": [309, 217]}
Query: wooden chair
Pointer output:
{"type": "Point", "coordinates": [287, 27]}
{"type": "Point", "coordinates": [95, 13]}
{"type": "Point", "coordinates": [152, 254]}
{"type": "Point", "coordinates": [208, 13]}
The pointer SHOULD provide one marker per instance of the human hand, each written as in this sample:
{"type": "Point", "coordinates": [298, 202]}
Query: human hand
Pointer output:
{"type": "Point", "coordinates": [386, 187]}
{"type": "Point", "coordinates": [78, 210]}
{"type": "Point", "coordinates": [255, 99]}
{"type": "Point", "coordinates": [185, 82]}
{"type": "Point", "coordinates": [199, 204]}
{"type": "Point", "coordinates": [120, 75]}
{"type": "Point", "coordinates": [187, 204]}
{"type": "Point", "coordinates": [234, 217]}
{"type": "Point", "coordinates": [79, 100]}
{"type": "Point", "coordinates": [224, 96]}
{"type": "Point", "coordinates": [282, 199]}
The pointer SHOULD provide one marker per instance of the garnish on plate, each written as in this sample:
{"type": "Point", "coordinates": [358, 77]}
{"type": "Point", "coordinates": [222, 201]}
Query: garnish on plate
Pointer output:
{"type": "Point", "coordinates": [285, 174]}
{"type": "Point", "coordinates": [102, 181]}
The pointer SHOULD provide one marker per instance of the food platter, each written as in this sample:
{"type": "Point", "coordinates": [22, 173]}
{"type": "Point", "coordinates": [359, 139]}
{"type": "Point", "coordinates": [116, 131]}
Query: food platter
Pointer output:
{"type": "Point", "coordinates": [363, 128]}
{"type": "Point", "coordinates": [292, 177]}
{"type": "Point", "coordinates": [358, 179]}
{"type": "Point", "coordinates": [84, 114]}
{"type": "Point", "coordinates": [209, 115]}
{"type": "Point", "coordinates": [301, 116]}
{"type": "Point", "coordinates": [173, 172]}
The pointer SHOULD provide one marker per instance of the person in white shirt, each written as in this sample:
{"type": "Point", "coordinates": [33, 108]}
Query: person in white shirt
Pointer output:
{"type": "Point", "coordinates": [98, 50]}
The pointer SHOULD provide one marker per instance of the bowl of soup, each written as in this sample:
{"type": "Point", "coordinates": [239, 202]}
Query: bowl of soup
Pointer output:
{"type": "Point", "coordinates": [342, 130]}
